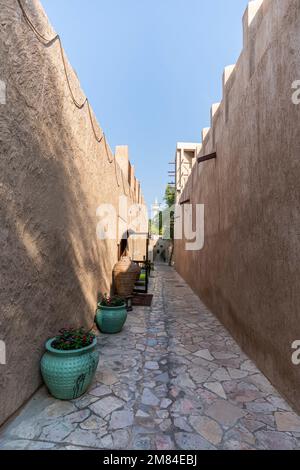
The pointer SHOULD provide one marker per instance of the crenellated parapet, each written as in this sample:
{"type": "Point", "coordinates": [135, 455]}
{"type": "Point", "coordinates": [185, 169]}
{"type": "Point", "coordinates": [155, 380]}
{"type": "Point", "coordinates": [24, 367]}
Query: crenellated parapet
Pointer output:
{"type": "Point", "coordinates": [260, 21]}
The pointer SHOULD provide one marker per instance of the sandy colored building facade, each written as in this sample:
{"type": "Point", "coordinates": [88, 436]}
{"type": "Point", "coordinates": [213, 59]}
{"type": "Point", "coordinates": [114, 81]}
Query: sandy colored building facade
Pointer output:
{"type": "Point", "coordinates": [185, 159]}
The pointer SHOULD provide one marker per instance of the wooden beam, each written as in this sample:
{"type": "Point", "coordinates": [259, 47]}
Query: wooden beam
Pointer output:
{"type": "Point", "coordinates": [207, 157]}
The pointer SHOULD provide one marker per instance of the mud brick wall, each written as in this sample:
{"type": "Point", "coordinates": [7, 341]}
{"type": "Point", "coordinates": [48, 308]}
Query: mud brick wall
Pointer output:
{"type": "Point", "coordinates": [249, 269]}
{"type": "Point", "coordinates": [53, 176]}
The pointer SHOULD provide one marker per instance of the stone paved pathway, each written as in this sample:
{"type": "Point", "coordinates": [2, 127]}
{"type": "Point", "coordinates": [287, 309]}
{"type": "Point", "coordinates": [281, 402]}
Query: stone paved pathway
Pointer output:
{"type": "Point", "coordinates": [173, 379]}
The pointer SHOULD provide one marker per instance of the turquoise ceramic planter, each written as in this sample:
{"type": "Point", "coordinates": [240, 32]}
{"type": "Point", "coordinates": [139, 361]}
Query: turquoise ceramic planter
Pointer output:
{"type": "Point", "coordinates": [68, 374]}
{"type": "Point", "coordinates": [111, 319]}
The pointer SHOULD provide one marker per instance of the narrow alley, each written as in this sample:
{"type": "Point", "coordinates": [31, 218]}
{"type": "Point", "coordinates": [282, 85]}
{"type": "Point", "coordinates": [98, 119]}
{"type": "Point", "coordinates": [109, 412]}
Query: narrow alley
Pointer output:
{"type": "Point", "coordinates": [173, 379]}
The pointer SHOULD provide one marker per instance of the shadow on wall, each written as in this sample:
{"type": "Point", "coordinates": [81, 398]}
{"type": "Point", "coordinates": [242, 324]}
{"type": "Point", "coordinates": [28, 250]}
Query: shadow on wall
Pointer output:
{"type": "Point", "coordinates": [51, 265]}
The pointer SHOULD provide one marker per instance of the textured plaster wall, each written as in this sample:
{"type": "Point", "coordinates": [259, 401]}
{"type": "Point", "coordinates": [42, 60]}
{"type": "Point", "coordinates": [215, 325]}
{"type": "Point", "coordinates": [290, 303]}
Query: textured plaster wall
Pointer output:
{"type": "Point", "coordinates": [248, 272]}
{"type": "Point", "coordinates": [53, 176]}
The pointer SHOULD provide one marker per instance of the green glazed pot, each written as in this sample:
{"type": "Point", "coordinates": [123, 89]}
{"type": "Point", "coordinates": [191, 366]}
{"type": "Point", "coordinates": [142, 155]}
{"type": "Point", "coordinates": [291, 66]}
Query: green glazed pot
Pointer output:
{"type": "Point", "coordinates": [111, 319]}
{"type": "Point", "coordinates": [68, 374]}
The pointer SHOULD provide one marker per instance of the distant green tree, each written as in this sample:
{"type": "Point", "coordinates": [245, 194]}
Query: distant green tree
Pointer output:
{"type": "Point", "coordinates": [169, 197]}
{"type": "Point", "coordinates": [168, 213]}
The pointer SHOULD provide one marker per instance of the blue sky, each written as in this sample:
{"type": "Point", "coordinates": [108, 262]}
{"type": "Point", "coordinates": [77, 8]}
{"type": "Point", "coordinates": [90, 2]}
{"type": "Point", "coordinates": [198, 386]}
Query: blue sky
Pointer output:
{"type": "Point", "coordinates": [151, 69]}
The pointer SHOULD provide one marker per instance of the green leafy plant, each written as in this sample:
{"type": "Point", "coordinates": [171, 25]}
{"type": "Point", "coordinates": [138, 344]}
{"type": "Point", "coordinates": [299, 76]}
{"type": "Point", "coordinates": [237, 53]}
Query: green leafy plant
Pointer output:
{"type": "Point", "coordinates": [170, 196]}
{"type": "Point", "coordinates": [71, 339]}
{"type": "Point", "coordinates": [163, 222]}
{"type": "Point", "coordinates": [114, 301]}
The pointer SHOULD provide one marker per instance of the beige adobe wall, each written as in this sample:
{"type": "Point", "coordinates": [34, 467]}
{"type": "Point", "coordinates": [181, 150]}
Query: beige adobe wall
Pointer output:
{"type": "Point", "coordinates": [122, 157]}
{"type": "Point", "coordinates": [53, 177]}
{"type": "Point", "coordinates": [248, 272]}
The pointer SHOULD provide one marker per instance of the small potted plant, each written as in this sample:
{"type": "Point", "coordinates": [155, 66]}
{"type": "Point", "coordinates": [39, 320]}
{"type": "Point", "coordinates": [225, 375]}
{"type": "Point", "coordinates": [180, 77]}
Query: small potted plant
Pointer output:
{"type": "Point", "coordinates": [69, 363]}
{"type": "Point", "coordinates": [111, 314]}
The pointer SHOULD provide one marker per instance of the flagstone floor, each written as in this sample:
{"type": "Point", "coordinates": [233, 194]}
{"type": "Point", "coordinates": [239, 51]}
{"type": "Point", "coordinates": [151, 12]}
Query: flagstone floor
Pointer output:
{"type": "Point", "coordinates": [173, 379]}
